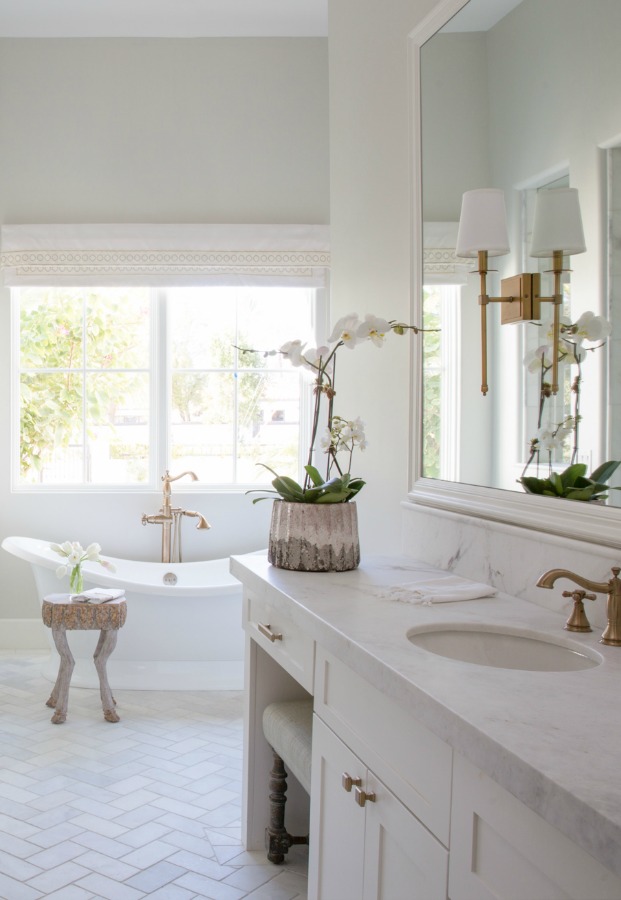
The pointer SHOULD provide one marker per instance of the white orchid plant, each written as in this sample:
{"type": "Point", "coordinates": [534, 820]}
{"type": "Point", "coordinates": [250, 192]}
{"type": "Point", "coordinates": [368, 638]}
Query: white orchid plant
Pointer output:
{"type": "Point", "coordinates": [577, 339]}
{"type": "Point", "coordinates": [75, 555]}
{"type": "Point", "coordinates": [339, 437]}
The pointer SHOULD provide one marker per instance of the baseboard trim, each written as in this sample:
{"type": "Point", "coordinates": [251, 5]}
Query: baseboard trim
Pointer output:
{"type": "Point", "coordinates": [22, 634]}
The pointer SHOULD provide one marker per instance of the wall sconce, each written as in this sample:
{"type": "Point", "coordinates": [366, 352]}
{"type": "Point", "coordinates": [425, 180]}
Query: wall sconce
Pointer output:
{"type": "Point", "coordinates": [557, 232]}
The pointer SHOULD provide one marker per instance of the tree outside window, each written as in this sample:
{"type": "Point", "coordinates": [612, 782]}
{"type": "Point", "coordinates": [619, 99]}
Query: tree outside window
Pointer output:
{"type": "Point", "coordinates": [91, 384]}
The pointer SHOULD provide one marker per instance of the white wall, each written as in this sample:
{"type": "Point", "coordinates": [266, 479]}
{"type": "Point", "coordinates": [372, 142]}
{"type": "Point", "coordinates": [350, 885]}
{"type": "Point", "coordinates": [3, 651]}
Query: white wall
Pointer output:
{"type": "Point", "coordinates": [205, 130]}
{"type": "Point", "coordinates": [370, 187]}
{"type": "Point", "coordinates": [370, 181]}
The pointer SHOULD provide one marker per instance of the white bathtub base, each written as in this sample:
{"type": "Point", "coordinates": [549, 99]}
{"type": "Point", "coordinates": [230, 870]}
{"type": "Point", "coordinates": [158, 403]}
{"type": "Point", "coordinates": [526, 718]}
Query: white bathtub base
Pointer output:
{"type": "Point", "coordinates": [183, 630]}
{"type": "Point", "coordinates": [151, 675]}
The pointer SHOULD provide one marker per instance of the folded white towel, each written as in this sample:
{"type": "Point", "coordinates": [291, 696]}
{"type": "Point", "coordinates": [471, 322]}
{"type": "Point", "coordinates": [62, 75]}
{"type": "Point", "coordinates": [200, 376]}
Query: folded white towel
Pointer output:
{"type": "Point", "coordinates": [98, 595]}
{"type": "Point", "coordinates": [441, 588]}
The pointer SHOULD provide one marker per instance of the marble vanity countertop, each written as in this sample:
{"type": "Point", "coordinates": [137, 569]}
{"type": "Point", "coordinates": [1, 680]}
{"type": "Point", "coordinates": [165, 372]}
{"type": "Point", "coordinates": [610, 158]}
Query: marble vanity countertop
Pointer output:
{"type": "Point", "coordinates": [553, 739]}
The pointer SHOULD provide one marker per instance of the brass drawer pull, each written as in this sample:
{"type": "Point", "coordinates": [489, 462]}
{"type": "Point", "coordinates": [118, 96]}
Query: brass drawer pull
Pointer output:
{"type": "Point", "coordinates": [268, 633]}
{"type": "Point", "coordinates": [361, 797]}
{"type": "Point", "coordinates": [348, 782]}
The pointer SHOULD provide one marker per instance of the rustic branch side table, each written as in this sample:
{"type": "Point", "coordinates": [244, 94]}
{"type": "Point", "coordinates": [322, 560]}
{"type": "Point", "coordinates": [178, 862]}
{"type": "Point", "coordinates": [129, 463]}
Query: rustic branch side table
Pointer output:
{"type": "Point", "coordinates": [61, 616]}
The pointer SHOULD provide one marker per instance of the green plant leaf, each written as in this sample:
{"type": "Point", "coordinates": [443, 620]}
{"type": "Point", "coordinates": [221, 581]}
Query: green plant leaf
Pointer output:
{"type": "Point", "coordinates": [315, 477]}
{"type": "Point", "coordinates": [582, 493]}
{"type": "Point", "coordinates": [604, 472]}
{"type": "Point", "coordinates": [569, 476]}
{"type": "Point", "coordinates": [334, 497]}
{"type": "Point", "coordinates": [288, 488]}
{"type": "Point", "coordinates": [532, 485]}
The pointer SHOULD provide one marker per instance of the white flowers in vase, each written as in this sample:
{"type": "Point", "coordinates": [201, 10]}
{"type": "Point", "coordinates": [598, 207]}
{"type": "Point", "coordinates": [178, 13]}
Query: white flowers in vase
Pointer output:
{"type": "Point", "coordinates": [75, 555]}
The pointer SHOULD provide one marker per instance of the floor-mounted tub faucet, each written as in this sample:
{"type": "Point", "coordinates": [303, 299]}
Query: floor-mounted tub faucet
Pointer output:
{"type": "Point", "coordinates": [169, 517]}
{"type": "Point", "coordinates": [611, 588]}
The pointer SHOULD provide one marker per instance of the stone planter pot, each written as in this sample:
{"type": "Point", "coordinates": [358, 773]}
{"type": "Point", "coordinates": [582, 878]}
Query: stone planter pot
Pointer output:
{"type": "Point", "coordinates": [314, 537]}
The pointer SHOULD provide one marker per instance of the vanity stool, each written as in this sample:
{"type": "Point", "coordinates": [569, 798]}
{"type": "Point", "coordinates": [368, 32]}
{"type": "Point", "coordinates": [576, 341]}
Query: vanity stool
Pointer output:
{"type": "Point", "coordinates": [288, 729]}
{"type": "Point", "coordinates": [61, 616]}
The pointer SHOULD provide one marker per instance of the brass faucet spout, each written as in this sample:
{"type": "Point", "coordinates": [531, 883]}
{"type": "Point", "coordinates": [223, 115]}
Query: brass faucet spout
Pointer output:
{"type": "Point", "coordinates": [611, 588]}
{"type": "Point", "coordinates": [202, 522]}
{"type": "Point", "coordinates": [548, 580]}
{"type": "Point", "coordinates": [169, 518]}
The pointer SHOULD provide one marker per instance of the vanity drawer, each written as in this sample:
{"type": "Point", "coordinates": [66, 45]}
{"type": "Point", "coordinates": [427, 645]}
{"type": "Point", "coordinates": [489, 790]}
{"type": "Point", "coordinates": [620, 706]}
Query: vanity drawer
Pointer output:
{"type": "Point", "coordinates": [412, 761]}
{"type": "Point", "coordinates": [285, 642]}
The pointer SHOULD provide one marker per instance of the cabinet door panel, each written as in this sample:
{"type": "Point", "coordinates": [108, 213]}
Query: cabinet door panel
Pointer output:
{"type": "Point", "coordinates": [501, 850]}
{"type": "Point", "coordinates": [410, 759]}
{"type": "Point", "coordinates": [336, 849]}
{"type": "Point", "coordinates": [402, 859]}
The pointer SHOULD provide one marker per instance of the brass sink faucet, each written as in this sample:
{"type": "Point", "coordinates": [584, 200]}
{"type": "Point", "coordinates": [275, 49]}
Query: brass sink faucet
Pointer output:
{"type": "Point", "coordinates": [169, 518]}
{"type": "Point", "coordinates": [611, 588]}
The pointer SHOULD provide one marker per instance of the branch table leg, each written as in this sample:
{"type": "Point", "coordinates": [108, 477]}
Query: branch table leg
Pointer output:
{"type": "Point", "coordinates": [60, 692]}
{"type": "Point", "coordinates": [105, 646]}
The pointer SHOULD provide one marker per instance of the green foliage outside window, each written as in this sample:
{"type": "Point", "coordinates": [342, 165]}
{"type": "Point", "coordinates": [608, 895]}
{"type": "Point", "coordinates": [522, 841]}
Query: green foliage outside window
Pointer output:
{"type": "Point", "coordinates": [86, 377]}
{"type": "Point", "coordinates": [70, 340]}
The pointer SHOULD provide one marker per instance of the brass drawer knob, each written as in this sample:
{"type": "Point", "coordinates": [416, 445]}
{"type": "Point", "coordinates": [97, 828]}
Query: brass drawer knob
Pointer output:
{"type": "Point", "coordinates": [348, 782]}
{"type": "Point", "coordinates": [362, 797]}
{"type": "Point", "coordinates": [268, 633]}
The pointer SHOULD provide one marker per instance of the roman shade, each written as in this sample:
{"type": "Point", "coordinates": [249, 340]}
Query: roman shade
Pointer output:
{"type": "Point", "coordinates": [164, 255]}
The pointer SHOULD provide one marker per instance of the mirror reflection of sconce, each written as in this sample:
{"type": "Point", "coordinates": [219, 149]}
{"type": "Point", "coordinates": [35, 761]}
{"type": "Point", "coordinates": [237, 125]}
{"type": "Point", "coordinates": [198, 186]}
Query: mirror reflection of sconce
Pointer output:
{"type": "Point", "coordinates": [557, 232]}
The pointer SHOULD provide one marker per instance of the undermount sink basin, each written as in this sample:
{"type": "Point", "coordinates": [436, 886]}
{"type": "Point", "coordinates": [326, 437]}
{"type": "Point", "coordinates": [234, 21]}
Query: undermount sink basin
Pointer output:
{"type": "Point", "coordinates": [504, 649]}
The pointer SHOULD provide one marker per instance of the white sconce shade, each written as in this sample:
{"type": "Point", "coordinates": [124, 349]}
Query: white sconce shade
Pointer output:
{"type": "Point", "coordinates": [558, 223]}
{"type": "Point", "coordinates": [483, 223]}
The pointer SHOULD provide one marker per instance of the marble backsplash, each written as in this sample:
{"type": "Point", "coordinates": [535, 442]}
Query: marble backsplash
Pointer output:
{"type": "Point", "coordinates": [508, 557]}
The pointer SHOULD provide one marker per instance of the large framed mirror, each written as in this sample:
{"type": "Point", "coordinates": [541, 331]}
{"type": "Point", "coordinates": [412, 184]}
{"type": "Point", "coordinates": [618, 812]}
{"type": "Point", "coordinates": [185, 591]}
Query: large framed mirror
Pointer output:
{"type": "Point", "coordinates": [520, 95]}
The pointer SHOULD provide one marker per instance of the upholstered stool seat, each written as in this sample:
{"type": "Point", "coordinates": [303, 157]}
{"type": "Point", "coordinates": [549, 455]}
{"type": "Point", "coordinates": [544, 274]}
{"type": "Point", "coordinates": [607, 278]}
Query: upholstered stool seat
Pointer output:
{"type": "Point", "coordinates": [288, 729]}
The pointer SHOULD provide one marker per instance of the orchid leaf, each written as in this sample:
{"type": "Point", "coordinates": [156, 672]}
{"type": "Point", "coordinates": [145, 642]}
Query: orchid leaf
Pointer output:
{"type": "Point", "coordinates": [606, 470]}
{"type": "Point", "coordinates": [573, 483]}
{"type": "Point", "coordinates": [569, 476]}
{"type": "Point", "coordinates": [314, 475]}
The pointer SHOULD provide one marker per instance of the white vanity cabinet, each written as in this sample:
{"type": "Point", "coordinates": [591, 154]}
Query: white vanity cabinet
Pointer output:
{"type": "Point", "coordinates": [501, 850]}
{"type": "Point", "coordinates": [436, 826]}
{"type": "Point", "coordinates": [381, 784]}
{"type": "Point", "coordinates": [362, 852]}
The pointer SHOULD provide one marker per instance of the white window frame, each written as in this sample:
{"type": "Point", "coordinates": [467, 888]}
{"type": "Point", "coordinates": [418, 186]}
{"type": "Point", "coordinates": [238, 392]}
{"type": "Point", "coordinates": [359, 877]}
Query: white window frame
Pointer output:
{"type": "Point", "coordinates": [158, 256]}
{"type": "Point", "coordinates": [160, 400]}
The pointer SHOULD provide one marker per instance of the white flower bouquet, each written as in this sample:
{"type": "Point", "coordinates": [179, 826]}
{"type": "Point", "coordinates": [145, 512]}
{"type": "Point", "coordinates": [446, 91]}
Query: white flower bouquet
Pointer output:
{"type": "Point", "coordinates": [75, 555]}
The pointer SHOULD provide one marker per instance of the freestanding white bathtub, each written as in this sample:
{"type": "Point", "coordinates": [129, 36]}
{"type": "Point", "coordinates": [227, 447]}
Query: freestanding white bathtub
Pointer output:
{"type": "Point", "coordinates": [183, 630]}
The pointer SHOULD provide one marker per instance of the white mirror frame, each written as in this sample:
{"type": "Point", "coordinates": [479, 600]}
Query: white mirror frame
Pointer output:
{"type": "Point", "coordinates": [572, 519]}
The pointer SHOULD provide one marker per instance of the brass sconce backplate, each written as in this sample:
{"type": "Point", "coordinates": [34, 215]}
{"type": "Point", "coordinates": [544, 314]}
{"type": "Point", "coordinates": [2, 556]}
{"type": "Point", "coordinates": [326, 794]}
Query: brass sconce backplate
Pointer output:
{"type": "Point", "coordinates": [520, 295]}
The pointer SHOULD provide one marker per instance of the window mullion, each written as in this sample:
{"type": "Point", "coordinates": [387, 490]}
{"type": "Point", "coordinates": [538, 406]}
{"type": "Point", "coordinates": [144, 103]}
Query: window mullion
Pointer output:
{"type": "Point", "coordinates": [161, 386]}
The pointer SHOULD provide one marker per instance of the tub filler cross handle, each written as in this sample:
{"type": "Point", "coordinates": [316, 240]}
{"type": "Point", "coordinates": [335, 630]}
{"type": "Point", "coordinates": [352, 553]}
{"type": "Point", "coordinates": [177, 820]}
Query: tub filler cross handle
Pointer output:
{"type": "Point", "coordinates": [169, 517]}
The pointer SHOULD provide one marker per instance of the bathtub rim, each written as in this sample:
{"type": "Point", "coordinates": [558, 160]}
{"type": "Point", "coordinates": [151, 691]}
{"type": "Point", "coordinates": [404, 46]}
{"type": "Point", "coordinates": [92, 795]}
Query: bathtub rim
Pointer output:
{"type": "Point", "coordinates": [37, 552]}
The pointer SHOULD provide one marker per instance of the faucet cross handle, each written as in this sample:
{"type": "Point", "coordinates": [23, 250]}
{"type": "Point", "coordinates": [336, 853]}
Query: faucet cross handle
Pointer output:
{"type": "Point", "coordinates": [578, 620]}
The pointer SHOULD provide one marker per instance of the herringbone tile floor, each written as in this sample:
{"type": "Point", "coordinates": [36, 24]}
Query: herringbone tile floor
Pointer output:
{"type": "Point", "coordinates": [146, 807]}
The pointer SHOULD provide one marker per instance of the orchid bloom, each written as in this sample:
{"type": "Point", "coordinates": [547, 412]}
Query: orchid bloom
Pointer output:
{"type": "Point", "coordinates": [374, 329]}
{"type": "Point", "coordinates": [346, 330]}
{"type": "Point", "coordinates": [591, 328]}
{"type": "Point", "coordinates": [315, 358]}
{"type": "Point", "coordinates": [535, 358]}
{"type": "Point", "coordinates": [547, 440]}
{"type": "Point", "coordinates": [292, 351]}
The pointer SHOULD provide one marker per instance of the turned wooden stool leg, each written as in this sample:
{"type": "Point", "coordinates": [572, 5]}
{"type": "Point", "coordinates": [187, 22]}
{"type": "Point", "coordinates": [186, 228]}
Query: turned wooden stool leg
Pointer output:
{"type": "Point", "coordinates": [105, 646]}
{"type": "Point", "coordinates": [60, 693]}
{"type": "Point", "coordinates": [276, 837]}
